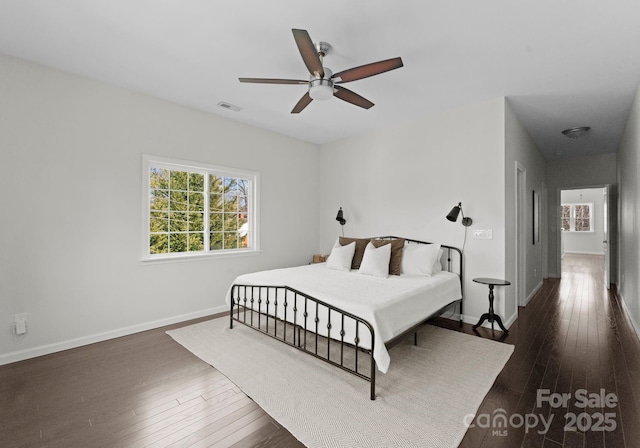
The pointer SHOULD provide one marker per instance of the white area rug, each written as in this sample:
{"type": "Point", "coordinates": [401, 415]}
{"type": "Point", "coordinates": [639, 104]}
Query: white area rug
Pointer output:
{"type": "Point", "coordinates": [421, 402]}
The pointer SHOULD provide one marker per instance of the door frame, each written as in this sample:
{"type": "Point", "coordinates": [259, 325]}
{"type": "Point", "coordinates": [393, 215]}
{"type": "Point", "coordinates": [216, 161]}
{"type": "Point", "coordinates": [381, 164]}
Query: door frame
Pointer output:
{"type": "Point", "coordinates": [521, 234]}
{"type": "Point", "coordinates": [610, 224]}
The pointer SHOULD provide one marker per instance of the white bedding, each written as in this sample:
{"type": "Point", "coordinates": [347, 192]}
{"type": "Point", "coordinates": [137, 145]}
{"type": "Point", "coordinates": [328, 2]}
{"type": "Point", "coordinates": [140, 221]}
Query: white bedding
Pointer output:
{"type": "Point", "coordinates": [391, 305]}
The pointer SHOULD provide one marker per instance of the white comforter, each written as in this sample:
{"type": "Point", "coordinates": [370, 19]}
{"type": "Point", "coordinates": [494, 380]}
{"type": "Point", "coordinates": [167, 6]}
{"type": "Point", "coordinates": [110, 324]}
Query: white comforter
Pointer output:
{"type": "Point", "coordinates": [391, 305]}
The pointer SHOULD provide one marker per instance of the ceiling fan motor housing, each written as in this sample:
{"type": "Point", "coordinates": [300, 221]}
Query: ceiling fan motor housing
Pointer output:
{"type": "Point", "coordinates": [321, 88]}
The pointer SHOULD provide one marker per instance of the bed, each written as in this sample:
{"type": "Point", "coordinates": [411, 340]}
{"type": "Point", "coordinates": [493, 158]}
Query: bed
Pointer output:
{"type": "Point", "coordinates": [343, 317]}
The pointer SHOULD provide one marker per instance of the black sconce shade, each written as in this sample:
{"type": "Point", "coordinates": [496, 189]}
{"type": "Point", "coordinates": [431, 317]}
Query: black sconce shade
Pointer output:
{"type": "Point", "coordinates": [340, 217]}
{"type": "Point", "coordinates": [453, 214]}
{"type": "Point", "coordinates": [455, 211]}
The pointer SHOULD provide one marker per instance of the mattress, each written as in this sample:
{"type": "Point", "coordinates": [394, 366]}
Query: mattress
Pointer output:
{"type": "Point", "coordinates": [391, 305]}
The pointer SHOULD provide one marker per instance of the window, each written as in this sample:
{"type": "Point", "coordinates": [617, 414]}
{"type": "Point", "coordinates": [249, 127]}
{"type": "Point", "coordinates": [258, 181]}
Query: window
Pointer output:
{"type": "Point", "coordinates": [192, 209]}
{"type": "Point", "coordinates": [577, 218]}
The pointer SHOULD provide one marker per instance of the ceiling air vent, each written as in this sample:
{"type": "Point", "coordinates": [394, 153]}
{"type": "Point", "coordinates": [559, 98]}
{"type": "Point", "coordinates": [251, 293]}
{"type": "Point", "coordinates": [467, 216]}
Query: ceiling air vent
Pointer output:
{"type": "Point", "coordinates": [229, 106]}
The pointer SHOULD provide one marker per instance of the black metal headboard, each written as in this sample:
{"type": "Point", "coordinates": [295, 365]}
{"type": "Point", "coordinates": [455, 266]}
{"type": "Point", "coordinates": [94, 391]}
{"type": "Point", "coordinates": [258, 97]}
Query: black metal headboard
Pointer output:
{"type": "Point", "coordinates": [449, 251]}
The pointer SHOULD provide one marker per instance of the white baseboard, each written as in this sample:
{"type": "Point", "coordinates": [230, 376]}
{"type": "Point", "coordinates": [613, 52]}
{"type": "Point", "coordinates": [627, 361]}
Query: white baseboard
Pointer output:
{"type": "Point", "coordinates": [634, 324]}
{"type": "Point", "coordinates": [578, 252]}
{"type": "Point", "coordinates": [533, 293]}
{"type": "Point", "coordinates": [21, 355]}
{"type": "Point", "coordinates": [508, 322]}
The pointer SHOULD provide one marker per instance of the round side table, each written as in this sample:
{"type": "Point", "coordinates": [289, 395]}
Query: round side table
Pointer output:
{"type": "Point", "coordinates": [491, 316]}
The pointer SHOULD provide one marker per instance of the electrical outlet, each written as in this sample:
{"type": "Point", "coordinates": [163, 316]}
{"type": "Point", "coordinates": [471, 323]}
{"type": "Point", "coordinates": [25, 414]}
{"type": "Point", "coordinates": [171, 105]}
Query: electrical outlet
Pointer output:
{"type": "Point", "coordinates": [483, 234]}
{"type": "Point", "coordinates": [20, 323]}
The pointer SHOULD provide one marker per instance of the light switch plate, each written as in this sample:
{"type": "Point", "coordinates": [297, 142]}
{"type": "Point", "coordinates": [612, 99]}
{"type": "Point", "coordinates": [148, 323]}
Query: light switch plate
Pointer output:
{"type": "Point", "coordinates": [483, 234]}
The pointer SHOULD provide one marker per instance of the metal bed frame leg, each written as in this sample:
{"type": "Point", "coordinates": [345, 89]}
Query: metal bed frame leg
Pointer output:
{"type": "Point", "coordinates": [373, 377]}
{"type": "Point", "coordinates": [231, 309]}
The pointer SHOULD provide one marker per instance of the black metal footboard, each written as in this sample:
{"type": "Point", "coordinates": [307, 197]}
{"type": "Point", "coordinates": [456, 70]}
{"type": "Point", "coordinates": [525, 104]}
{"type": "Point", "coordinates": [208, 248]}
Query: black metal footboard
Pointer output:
{"type": "Point", "coordinates": [308, 324]}
{"type": "Point", "coordinates": [323, 330]}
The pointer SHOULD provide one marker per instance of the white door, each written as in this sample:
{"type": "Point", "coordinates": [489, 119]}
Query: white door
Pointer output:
{"type": "Point", "coordinates": [605, 242]}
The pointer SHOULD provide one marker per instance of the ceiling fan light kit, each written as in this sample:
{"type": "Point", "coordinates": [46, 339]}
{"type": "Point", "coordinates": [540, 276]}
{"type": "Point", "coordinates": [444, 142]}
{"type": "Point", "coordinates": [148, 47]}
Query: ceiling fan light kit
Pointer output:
{"type": "Point", "coordinates": [323, 82]}
{"type": "Point", "coordinates": [321, 88]}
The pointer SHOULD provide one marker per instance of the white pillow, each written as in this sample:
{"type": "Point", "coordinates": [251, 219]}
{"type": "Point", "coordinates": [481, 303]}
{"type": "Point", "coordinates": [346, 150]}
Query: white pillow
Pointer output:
{"type": "Point", "coordinates": [376, 260]}
{"type": "Point", "coordinates": [437, 266]}
{"type": "Point", "coordinates": [419, 259]}
{"type": "Point", "coordinates": [341, 256]}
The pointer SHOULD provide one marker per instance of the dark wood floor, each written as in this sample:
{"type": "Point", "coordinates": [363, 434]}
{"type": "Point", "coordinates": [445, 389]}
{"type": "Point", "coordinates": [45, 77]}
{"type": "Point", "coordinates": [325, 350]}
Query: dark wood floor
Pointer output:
{"type": "Point", "coordinates": [146, 390]}
{"type": "Point", "coordinates": [573, 335]}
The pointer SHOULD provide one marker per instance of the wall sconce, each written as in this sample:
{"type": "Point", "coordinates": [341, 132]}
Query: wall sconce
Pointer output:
{"type": "Point", "coordinates": [455, 211]}
{"type": "Point", "coordinates": [340, 217]}
{"type": "Point", "coordinates": [341, 220]}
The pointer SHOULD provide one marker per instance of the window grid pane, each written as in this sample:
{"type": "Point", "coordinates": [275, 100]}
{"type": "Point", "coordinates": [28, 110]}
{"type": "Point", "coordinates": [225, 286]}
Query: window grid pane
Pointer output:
{"type": "Point", "coordinates": [159, 243]}
{"type": "Point", "coordinates": [177, 192]}
{"type": "Point", "coordinates": [582, 218]}
{"type": "Point", "coordinates": [566, 217]}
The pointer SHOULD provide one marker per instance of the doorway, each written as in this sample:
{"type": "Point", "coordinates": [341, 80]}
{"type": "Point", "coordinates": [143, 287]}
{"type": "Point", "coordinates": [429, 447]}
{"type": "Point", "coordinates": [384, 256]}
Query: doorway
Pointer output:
{"type": "Point", "coordinates": [585, 225]}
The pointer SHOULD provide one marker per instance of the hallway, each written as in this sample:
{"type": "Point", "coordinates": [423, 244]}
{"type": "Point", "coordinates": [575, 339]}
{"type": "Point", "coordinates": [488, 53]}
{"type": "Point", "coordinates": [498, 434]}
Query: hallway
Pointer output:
{"type": "Point", "coordinates": [573, 338]}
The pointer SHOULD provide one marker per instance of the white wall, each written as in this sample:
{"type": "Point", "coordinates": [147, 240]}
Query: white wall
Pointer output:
{"type": "Point", "coordinates": [585, 242]}
{"type": "Point", "coordinates": [70, 176]}
{"type": "Point", "coordinates": [404, 180]}
{"type": "Point", "coordinates": [70, 155]}
{"type": "Point", "coordinates": [521, 149]}
{"type": "Point", "coordinates": [629, 215]}
{"type": "Point", "coordinates": [577, 172]}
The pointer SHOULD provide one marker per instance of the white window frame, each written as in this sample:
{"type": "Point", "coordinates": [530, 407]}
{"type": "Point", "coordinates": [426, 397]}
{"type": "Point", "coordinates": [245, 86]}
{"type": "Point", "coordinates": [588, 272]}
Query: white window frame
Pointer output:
{"type": "Point", "coordinates": [253, 246]}
{"type": "Point", "coordinates": [572, 217]}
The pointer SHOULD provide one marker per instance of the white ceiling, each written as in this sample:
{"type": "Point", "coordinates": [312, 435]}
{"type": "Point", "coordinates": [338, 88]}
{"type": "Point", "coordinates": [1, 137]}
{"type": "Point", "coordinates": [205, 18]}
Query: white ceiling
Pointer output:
{"type": "Point", "coordinates": [561, 63]}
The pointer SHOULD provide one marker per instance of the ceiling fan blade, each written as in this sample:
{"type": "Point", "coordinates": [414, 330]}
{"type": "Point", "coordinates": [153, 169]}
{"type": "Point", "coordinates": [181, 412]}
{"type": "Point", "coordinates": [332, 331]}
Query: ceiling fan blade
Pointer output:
{"type": "Point", "coordinates": [364, 71]}
{"type": "Point", "coordinates": [304, 102]}
{"type": "Point", "coordinates": [351, 97]}
{"type": "Point", "coordinates": [273, 81]}
{"type": "Point", "coordinates": [308, 52]}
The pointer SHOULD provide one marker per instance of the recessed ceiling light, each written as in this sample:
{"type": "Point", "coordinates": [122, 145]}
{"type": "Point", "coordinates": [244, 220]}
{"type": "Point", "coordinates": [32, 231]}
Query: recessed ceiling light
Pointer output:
{"type": "Point", "coordinates": [576, 132]}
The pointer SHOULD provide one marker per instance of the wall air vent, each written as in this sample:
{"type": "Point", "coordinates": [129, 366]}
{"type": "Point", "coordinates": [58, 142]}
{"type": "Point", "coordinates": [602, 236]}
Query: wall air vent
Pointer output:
{"type": "Point", "coordinates": [229, 106]}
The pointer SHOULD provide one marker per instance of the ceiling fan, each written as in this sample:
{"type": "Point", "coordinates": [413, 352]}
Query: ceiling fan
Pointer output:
{"type": "Point", "coordinates": [323, 83]}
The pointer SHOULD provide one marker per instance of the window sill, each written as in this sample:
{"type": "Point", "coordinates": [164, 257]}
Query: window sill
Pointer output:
{"type": "Point", "coordinates": [200, 257]}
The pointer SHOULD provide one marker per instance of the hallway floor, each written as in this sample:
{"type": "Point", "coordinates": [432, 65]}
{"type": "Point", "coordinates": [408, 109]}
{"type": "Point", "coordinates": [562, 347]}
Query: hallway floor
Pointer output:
{"type": "Point", "coordinates": [575, 340]}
